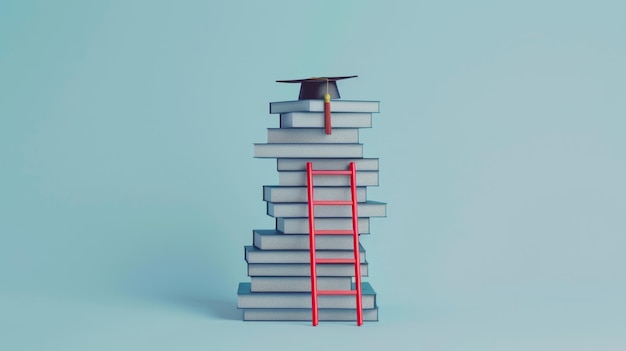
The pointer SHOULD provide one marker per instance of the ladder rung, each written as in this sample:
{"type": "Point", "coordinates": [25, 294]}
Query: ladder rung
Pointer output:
{"type": "Point", "coordinates": [336, 292]}
{"type": "Point", "coordinates": [331, 172]}
{"type": "Point", "coordinates": [334, 260]}
{"type": "Point", "coordinates": [332, 203]}
{"type": "Point", "coordinates": [334, 232]}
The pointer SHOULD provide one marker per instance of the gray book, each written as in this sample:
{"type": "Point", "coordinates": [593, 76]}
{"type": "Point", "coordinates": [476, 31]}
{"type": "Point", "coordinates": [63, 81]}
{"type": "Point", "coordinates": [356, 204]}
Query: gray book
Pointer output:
{"type": "Point", "coordinates": [317, 120]}
{"type": "Point", "coordinates": [308, 150]}
{"type": "Point", "coordinates": [318, 106]}
{"type": "Point", "coordinates": [298, 284]}
{"type": "Point", "coordinates": [365, 209]}
{"type": "Point", "coordinates": [292, 178]}
{"type": "Point", "coordinates": [303, 269]}
{"type": "Point", "coordinates": [301, 225]}
{"type": "Point", "coordinates": [248, 299]}
{"type": "Point", "coordinates": [299, 193]}
{"type": "Point", "coordinates": [270, 239]}
{"type": "Point", "coordinates": [255, 255]}
{"type": "Point", "coordinates": [304, 314]}
{"type": "Point", "coordinates": [299, 164]}
{"type": "Point", "coordinates": [312, 135]}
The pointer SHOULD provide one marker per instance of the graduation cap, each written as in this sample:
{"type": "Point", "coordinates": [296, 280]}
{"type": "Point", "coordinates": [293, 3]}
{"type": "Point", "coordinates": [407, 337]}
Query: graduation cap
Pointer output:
{"type": "Point", "coordinates": [315, 88]}
{"type": "Point", "coordinates": [318, 88]}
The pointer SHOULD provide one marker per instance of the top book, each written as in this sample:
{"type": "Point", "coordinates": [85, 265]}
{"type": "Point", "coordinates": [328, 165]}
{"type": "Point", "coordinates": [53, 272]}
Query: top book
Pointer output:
{"type": "Point", "coordinates": [318, 106]}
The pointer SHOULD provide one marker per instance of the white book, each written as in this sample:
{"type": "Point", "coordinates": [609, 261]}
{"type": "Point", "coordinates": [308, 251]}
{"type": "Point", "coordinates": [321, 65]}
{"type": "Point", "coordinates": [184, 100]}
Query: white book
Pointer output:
{"type": "Point", "coordinates": [312, 135]}
{"type": "Point", "coordinates": [308, 150]}
{"type": "Point", "coordinates": [298, 284]}
{"type": "Point", "coordinates": [318, 106]}
{"type": "Point", "coordinates": [303, 269]}
{"type": "Point", "coordinates": [270, 239]}
{"type": "Point", "coordinates": [255, 255]}
{"type": "Point", "coordinates": [293, 226]}
{"type": "Point", "coordinates": [292, 178]}
{"type": "Point", "coordinates": [317, 120]}
{"type": "Point", "coordinates": [300, 193]}
{"type": "Point", "coordinates": [365, 209]}
{"type": "Point", "coordinates": [248, 299]}
{"type": "Point", "coordinates": [299, 164]}
{"type": "Point", "coordinates": [303, 314]}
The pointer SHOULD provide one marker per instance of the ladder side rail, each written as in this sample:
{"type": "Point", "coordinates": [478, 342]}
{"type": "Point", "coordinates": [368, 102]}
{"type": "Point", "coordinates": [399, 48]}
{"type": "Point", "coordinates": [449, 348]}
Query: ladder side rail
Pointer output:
{"type": "Point", "coordinates": [314, 309]}
{"type": "Point", "coordinates": [357, 260]}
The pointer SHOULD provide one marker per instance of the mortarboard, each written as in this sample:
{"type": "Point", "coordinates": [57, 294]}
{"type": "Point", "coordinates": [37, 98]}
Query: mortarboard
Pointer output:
{"type": "Point", "coordinates": [315, 88]}
{"type": "Point", "coordinates": [318, 88]}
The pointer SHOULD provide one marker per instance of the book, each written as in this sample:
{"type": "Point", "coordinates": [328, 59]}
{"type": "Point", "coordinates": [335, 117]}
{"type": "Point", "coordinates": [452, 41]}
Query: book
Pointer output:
{"type": "Point", "coordinates": [304, 269]}
{"type": "Point", "coordinates": [304, 314]}
{"type": "Point", "coordinates": [312, 135]}
{"type": "Point", "coordinates": [270, 239]}
{"type": "Point", "coordinates": [318, 106]}
{"type": "Point", "coordinates": [299, 164]}
{"type": "Point", "coordinates": [316, 120]}
{"type": "Point", "coordinates": [365, 209]}
{"type": "Point", "coordinates": [248, 299]}
{"type": "Point", "coordinates": [298, 284]}
{"type": "Point", "coordinates": [255, 255]}
{"type": "Point", "coordinates": [308, 150]}
{"type": "Point", "coordinates": [293, 178]}
{"type": "Point", "coordinates": [300, 194]}
{"type": "Point", "coordinates": [301, 225]}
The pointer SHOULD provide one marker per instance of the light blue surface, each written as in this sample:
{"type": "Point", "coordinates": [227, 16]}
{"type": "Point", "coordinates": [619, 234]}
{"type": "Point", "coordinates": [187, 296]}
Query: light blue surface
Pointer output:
{"type": "Point", "coordinates": [128, 188]}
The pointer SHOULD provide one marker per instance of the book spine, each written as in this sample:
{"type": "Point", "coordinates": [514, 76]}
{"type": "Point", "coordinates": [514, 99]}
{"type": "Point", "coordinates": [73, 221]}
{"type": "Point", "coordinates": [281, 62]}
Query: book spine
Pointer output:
{"type": "Point", "coordinates": [299, 164]}
{"type": "Point", "coordinates": [311, 135]}
{"type": "Point", "coordinates": [366, 209]}
{"type": "Point", "coordinates": [266, 241]}
{"type": "Point", "coordinates": [308, 150]}
{"type": "Point", "coordinates": [318, 106]}
{"type": "Point", "coordinates": [301, 225]}
{"type": "Point", "coordinates": [316, 120]}
{"type": "Point", "coordinates": [255, 255]}
{"type": "Point", "coordinates": [363, 178]}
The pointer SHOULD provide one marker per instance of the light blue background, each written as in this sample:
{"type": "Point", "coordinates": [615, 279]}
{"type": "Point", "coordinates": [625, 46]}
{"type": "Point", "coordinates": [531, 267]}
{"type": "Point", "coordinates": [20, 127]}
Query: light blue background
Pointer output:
{"type": "Point", "coordinates": [128, 187]}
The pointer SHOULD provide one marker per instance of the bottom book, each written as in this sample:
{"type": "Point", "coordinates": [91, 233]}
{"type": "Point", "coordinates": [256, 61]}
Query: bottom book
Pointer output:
{"type": "Point", "coordinates": [304, 314]}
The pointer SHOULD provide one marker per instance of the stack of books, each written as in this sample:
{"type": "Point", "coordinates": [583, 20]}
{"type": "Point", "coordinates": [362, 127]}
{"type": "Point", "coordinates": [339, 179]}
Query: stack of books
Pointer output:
{"type": "Point", "coordinates": [278, 261]}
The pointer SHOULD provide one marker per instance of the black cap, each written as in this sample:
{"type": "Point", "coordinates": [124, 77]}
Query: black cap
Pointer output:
{"type": "Point", "coordinates": [316, 87]}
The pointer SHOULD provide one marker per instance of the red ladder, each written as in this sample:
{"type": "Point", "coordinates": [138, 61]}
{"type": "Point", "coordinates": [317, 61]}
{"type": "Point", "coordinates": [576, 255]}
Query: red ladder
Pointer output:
{"type": "Point", "coordinates": [355, 235]}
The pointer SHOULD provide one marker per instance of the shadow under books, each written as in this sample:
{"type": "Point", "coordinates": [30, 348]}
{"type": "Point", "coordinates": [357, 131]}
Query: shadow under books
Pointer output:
{"type": "Point", "coordinates": [204, 305]}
